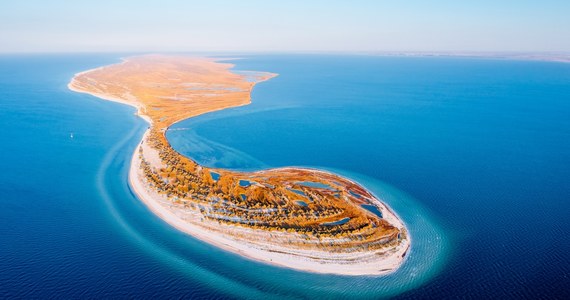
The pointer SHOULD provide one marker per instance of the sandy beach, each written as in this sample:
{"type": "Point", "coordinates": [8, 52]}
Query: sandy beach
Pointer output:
{"type": "Point", "coordinates": [73, 85]}
{"type": "Point", "coordinates": [309, 261]}
{"type": "Point", "coordinates": [270, 247]}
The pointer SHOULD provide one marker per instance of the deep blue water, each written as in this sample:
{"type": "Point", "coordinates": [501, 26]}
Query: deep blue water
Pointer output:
{"type": "Point", "coordinates": [474, 155]}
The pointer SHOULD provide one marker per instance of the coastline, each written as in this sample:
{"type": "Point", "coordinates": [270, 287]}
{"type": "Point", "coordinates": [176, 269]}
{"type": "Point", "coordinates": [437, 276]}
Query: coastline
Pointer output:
{"type": "Point", "coordinates": [315, 261]}
{"type": "Point", "coordinates": [383, 266]}
{"type": "Point", "coordinates": [71, 86]}
{"type": "Point", "coordinates": [515, 56]}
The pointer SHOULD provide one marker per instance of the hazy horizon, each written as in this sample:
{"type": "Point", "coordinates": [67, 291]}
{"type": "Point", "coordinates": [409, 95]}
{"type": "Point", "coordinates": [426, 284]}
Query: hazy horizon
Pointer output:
{"type": "Point", "coordinates": [295, 26]}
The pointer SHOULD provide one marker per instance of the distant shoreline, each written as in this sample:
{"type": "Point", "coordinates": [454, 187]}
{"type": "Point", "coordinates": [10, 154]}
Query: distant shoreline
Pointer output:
{"type": "Point", "coordinates": [515, 56]}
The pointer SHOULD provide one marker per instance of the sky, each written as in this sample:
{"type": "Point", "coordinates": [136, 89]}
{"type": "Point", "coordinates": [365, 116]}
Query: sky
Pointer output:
{"type": "Point", "coordinates": [284, 26]}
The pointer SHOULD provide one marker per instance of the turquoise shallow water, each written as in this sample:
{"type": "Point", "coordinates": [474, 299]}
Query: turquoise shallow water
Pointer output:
{"type": "Point", "coordinates": [472, 154]}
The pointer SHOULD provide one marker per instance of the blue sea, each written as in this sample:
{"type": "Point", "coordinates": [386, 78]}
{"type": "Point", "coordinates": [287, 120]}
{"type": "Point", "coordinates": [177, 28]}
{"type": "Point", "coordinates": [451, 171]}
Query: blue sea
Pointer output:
{"type": "Point", "coordinates": [473, 155]}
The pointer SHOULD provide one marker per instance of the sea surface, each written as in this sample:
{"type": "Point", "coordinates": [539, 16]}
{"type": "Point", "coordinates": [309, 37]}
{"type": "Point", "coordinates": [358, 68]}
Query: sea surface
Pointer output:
{"type": "Point", "coordinates": [473, 155]}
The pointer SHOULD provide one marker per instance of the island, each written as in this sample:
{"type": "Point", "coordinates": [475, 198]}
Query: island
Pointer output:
{"type": "Point", "coordinates": [299, 218]}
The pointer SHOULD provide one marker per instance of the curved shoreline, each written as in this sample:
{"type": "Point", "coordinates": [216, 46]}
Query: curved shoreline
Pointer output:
{"type": "Point", "coordinates": [139, 107]}
{"type": "Point", "coordinates": [276, 258]}
{"type": "Point", "coordinates": [309, 260]}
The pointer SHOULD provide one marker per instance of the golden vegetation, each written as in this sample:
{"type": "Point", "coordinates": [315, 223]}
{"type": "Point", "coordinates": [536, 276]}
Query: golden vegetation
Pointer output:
{"type": "Point", "coordinates": [318, 209]}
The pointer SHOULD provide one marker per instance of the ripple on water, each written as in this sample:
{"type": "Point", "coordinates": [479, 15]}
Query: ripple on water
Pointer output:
{"type": "Point", "coordinates": [233, 275]}
{"type": "Point", "coordinates": [428, 253]}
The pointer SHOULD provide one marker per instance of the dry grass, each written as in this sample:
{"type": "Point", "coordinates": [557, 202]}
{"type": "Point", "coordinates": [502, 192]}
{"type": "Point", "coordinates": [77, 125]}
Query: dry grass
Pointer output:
{"type": "Point", "coordinates": [169, 89]}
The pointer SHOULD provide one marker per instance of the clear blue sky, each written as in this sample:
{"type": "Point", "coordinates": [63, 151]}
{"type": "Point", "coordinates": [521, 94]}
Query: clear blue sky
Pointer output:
{"type": "Point", "coordinates": [348, 26]}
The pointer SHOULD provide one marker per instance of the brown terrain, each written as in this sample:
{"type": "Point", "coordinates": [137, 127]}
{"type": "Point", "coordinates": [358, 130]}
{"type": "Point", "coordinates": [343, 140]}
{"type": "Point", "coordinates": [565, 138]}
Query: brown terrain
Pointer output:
{"type": "Point", "coordinates": [299, 218]}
